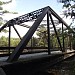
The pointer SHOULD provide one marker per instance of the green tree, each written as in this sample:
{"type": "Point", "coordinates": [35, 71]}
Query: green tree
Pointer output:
{"type": "Point", "coordinates": [33, 42]}
{"type": "Point", "coordinates": [70, 7]}
{"type": "Point", "coordinates": [14, 42]}
{"type": "Point", "coordinates": [2, 12]}
{"type": "Point", "coordinates": [3, 41]}
{"type": "Point", "coordinates": [69, 11]}
{"type": "Point", "coordinates": [42, 33]}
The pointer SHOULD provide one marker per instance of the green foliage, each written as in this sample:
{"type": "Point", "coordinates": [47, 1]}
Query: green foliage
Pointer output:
{"type": "Point", "coordinates": [33, 42]}
{"type": "Point", "coordinates": [5, 11]}
{"type": "Point", "coordinates": [1, 23]}
{"type": "Point", "coordinates": [14, 41]}
{"type": "Point", "coordinates": [7, 2]}
{"type": "Point", "coordinates": [4, 30]}
{"type": "Point", "coordinates": [14, 12]}
{"type": "Point", "coordinates": [70, 7]}
{"type": "Point", "coordinates": [1, 3]}
{"type": "Point", "coordinates": [73, 42]}
{"type": "Point", "coordinates": [70, 11]}
{"type": "Point", "coordinates": [1, 8]}
{"type": "Point", "coordinates": [2, 12]}
{"type": "Point", "coordinates": [4, 41]}
{"type": "Point", "coordinates": [42, 33]}
{"type": "Point", "coordinates": [66, 3]}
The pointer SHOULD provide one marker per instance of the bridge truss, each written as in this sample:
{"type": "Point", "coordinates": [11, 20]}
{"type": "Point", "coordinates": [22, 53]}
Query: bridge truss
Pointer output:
{"type": "Point", "coordinates": [38, 16]}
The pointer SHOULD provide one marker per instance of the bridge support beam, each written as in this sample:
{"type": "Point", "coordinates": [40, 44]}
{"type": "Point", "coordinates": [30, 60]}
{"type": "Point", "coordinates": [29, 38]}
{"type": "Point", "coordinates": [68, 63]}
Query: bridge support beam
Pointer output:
{"type": "Point", "coordinates": [55, 31]}
{"type": "Point", "coordinates": [63, 38]}
{"type": "Point", "coordinates": [9, 39]}
{"type": "Point", "coordinates": [17, 32]}
{"type": "Point", "coordinates": [48, 32]}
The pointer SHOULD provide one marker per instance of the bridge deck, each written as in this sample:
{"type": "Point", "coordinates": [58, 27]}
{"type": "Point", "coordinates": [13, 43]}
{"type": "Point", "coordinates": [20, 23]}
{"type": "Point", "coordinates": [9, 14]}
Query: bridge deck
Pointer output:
{"type": "Point", "coordinates": [31, 63]}
{"type": "Point", "coordinates": [29, 57]}
{"type": "Point", "coordinates": [34, 55]}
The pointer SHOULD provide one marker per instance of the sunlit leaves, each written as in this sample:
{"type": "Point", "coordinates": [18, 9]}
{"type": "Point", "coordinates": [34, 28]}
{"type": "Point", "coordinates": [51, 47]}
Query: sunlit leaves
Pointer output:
{"type": "Point", "coordinates": [4, 41]}
{"type": "Point", "coordinates": [2, 3]}
{"type": "Point", "coordinates": [68, 8]}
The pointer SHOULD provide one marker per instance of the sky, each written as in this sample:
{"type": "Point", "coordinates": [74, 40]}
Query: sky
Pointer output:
{"type": "Point", "coordinates": [31, 5]}
{"type": "Point", "coordinates": [26, 6]}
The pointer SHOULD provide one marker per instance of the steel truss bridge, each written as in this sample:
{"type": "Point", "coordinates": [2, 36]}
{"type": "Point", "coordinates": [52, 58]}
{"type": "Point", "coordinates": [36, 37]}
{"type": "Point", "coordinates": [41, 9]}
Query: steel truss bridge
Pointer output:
{"type": "Point", "coordinates": [12, 64]}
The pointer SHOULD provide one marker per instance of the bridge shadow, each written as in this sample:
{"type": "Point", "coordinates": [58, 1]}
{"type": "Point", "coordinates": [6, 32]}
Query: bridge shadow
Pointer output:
{"type": "Point", "coordinates": [43, 73]}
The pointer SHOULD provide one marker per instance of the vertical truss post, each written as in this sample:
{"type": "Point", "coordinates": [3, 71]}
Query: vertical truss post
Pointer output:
{"type": "Point", "coordinates": [70, 38]}
{"type": "Point", "coordinates": [55, 31]}
{"type": "Point", "coordinates": [52, 41]}
{"type": "Point", "coordinates": [16, 31]}
{"type": "Point", "coordinates": [32, 42]}
{"type": "Point", "coordinates": [63, 38]}
{"type": "Point", "coordinates": [48, 31]}
{"type": "Point", "coordinates": [9, 39]}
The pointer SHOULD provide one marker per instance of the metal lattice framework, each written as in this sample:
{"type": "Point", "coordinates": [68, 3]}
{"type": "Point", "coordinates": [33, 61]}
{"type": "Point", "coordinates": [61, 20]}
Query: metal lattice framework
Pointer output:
{"type": "Point", "coordinates": [38, 16]}
{"type": "Point", "coordinates": [23, 18]}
